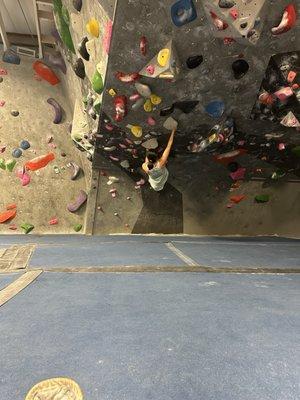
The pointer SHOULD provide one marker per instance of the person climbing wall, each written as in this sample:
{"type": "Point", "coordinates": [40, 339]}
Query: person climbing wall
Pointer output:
{"type": "Point", "coordinates": [155, 167]}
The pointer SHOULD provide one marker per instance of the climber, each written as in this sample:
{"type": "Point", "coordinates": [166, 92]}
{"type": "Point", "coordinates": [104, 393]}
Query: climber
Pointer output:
{"type": "Point", "coordinates": [155, 167]}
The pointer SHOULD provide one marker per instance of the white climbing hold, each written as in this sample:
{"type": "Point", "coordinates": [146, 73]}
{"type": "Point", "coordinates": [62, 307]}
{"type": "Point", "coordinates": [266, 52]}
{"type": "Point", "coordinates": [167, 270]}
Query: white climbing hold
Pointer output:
{"type": "Point", "coordinates": [150, 144]}
{"type": "Point", "coordinates": [112, 179]}
{"type": "Point", "coordinates": [170, 124]}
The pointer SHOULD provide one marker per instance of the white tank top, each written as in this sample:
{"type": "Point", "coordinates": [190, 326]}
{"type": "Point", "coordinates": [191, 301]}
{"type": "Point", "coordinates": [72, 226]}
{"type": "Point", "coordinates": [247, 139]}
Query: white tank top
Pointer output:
{"type": "Point", "coordinates": [158, 177]}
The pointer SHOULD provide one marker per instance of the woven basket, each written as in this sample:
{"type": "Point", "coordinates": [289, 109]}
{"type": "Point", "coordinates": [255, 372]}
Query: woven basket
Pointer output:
{"type": "Point", "coordinates": [55, 388]}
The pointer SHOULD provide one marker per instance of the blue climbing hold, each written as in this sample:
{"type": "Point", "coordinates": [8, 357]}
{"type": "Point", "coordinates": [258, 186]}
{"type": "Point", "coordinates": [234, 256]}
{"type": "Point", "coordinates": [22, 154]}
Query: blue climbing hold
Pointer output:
{"type": "Point", "coordinates": [16, 153]}
{"type": "Point", "coordinates": [215, 108]}
{"type": "Point", "coordinates": [9, 56]}
{"type": "Point", "coordinates": [183, 12]}
{"type": "Point", "coordinates": [25, 145]}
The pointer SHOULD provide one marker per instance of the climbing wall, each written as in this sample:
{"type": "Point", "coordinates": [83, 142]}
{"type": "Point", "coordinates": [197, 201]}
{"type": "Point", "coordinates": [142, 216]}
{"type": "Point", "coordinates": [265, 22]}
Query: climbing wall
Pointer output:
{"type": "Point", "coordinates": [202, 65]}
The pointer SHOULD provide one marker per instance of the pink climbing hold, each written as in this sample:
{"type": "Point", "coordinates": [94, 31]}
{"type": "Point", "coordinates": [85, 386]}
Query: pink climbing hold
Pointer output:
{"type": "Point", "coordinates": [24, 176]}
{"type": "Point", "coordinates": [53, 221]}
{"type": "Point", "coordinates": [107, 36]}
{"type": "Point", "coordinates": [134, 97]}
{"type": "Point", "coordinates": [234, 13]}
{"type": "Point", "coordinates": [239, 174]}
{"type": "Point", "coordinates": [281, 146]}
{"type": "Point", "coordinates": [291, 76]}
{"type": "Point", "coordinates": [114, 158]}
{"type": "Point", "coordinates": [2, 103]}
{"type": "Point", "coordinates": [151, 121]}
{"type": "Point", "coordinates": [3, 71]}
{"type": "Point", "coordinates": [150, 69]}
{"type": "Point", "coordinates": [120, 103]}
{"type": "Point", "coordinates": [109, 127]}
{"type": "Point", "coordinates": [284, 93]}
{"type": "Point", "coordinates": [218, 22]}
{"type": "Point", "coordinates": [288, 20]}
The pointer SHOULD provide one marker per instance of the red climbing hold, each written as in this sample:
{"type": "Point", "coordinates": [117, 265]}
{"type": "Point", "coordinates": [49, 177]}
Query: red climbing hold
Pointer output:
{"type": "Point", "coordinates": [7, 215]}
{"type": "Point", "coordinates": [45, 72]}
{"type": "Point", "coordinates": [53, 221]}
{"type": "Point", "coordinates": [288, 20]}
{"type": "Point", "coordinates": [39, 162]}
{"type": "Point", "coordinates": [143, 45]}
{"type": "Point", "coordinates": [237, 199]}
{"type": "Point", "coordinates": [127, 78]}
{"type": "Point", "coordinates": [120, 103]}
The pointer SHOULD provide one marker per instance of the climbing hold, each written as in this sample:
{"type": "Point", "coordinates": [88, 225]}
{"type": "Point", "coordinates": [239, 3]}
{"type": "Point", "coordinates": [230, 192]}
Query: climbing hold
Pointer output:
{"type": "Point", "coordinates": [234, 13]}
{"type": "Point", "coordinates": [239, 174]}
{"type": "Point", "coordinates": [155, 100]}
{"type": "Point", "coordinates": [109, 148]}
{"type": "Point", "coordinates": [1, 79]}
{"type": "Point", "coordinates": [93, 27]}
{"type": "Point", "coordinates": [11, 57]}
{"type": "Point", "coordinates": [56, 61]}
{"type": "Point", "coordinates": [15, 113]}
{"type": "Point", "coordinates": [218, 22]}
{"type": "Point", "coordinates": [82, 49]}
{"type": "Point", "coordinates": [237, 199]}
{"type": "Point", "coordinates": [24, 176]}
{"type": "Point", "coordinates": [58, 112]}
{"type": "Point", "coordinates": [170, 124]}
{"type": "Point", "coordinates": [125, 164]}
{"type": "Point", "coordinates": [116, 159]}
{"type": "Point", "coordinates": [134, 97]}
{"type": "Point", "coordinates": [215, 108]}
{"type": "Point", "coordinates": [288, 20]}
{"type": "Point", "coordinates": [65, 15]}
{"type": "Point", "coordinates": [183, 12]}
{"type": "Point", "coordinates": [10, 165]}
{"type": "Point", "coordinates": [150, 69]}
{"type": "Point", "coordinates": [186, 106]}
{"type": "Point", "coordinates": [3, 71]}
{"type": "Point", "coordinates": [53, 221]}
{"type": "Point", "coordinates": [142, 89]}
{"type": "Point", "coordinates": [163, 57]}
{"type": "Point", "coordinates": [77, 227]}
{"type": "Point", "coordinates": [281, 146]}
{"type": "Point", "coordinates": [2, 103]}
{"type": "Point", "coordinates": [164, 112]}
{"type": "Point", "coordinates": [97, 81]}
{"type": "Point", "coordinates": [262, 198]}
{"type": "Point", "coordinates": [39, 162]}
{"type": "Point", "coordinates": [7, 215]}
{"type": "Point", "coordinates": [136, 130]}
{"type": "Point", "coordinates": [16, 153]}
{"type": "Point", "coordinates": [2, 164]}
{"type": "Point", "coordinates": [148, 106]}
{"type": "Point", "coordinates": [2, 149]}
{"type": "Point", "coordinates": [27, 227]}
{"type": "Point", "coordinates": [78, 68]}
{"type": "Point", "coordinates": [120, 103]}
{"type": "Point", "coordinates": [284, 93]}
{"type": "Point", "coordinates": [107, 36]}
{"type": "Point", "coordinates": [112, 92]}
{"type": "Point", "coordinates": [226, 3]}
{"type": "Point", "coordinates": [150, 144]}
{"type": "Point", "coordinates": [194, 61]}
{"type": "Point", "coordinates": [291, 76]}
{"type": "Point", "coordinates": [45, 72]}
{"type": "Point", "coordinates": [240, 67]}
{"type": "Point", "coordinates": [151, 121]}
{"type": "Point", "coordinates": [77, 4]}
{"type": "Point", "coordinates": [290, 121]}
{"type": "Point", "coordinates": [143, 45]}
{"type": "Point", "coordinates": [78, 203]}
{"type": "Point", "coordinates": [75, 172]}
{"type": "Point", "coordinates": [138, 104]}
{"type": "Point", "coordinates": [127, 78]}
{"type": "Point", "coordinates": [112, 179]}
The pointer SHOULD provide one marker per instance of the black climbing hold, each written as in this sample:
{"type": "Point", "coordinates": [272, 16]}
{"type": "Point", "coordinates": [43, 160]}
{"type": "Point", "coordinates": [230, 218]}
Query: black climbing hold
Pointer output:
{"type": "Point", "coordinates": [25, 145]}
{"type": "Point", "coordinates": [194, 61]}
{"type": "Point", "coordinates": [15, 113]}
{"type": "Point", "coordinates": [1, 79]}
{"type": "Point", "coordinates": [167, 111]}
{"type": "Point", "coordinates": [186, 106]}
{"type": "Point", "coordinates": [82, 49]}
{"type": "Point", "coordinates": [240, 68]}
{"type": "Point", "coordinates": [77, 4]}
{"type": "Point", "coordinates": [226, 3]}
{"type": "Point", "coordinates": [244, 25]}
{"type": "Point", "coordinates": [79, 69]}
{"type": "Point", "coordinates": [233, 166]}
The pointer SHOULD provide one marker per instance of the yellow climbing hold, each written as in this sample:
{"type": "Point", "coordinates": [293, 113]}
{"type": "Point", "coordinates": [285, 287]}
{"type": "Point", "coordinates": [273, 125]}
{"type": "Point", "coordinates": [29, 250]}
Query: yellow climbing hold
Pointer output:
{"type": "Point", "coordinates": [112, 92]}
{"type": "Point", "coordinates": [163, 57]}
{"type": "Point", "coordinates": [156, 100]}
{"type": "Point", "coordinates": [137, 131]}
{"type": "Point", "coordinates": [93, 27]}
{"type": "Point", "coordinates": [148, 106]}
{"type": "Point", "coordinates": [56, 388]}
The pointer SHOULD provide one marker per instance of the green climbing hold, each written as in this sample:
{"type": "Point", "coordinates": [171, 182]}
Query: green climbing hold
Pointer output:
{"type": "Point", "coordinates": [60, 18]}
{"type": "Point", "coordinates": [97, 82]}
{"type": "Point", "coordinates": [2, 164]}
{"type": "Point", "coordinates": [77, 227]}
{"type": "Point", "coordinates": [65, 15]}
{"type": "Point", "coordinates": [262, 198]}
{"type": "Point", "coordinates": [27, 227]}
{"type": "Point", "coordinates": [97, 105]}
{"type": "Point", "coordinates": [10, 165]}
{"type": "Point", "coordinates": [296, 151]}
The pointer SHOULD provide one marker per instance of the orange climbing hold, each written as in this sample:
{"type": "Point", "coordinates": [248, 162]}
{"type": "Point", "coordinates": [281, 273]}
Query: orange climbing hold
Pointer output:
{"type": "Point", "coordinates": [237, 199]}
{"type": "Point", "coordinates": [45, 72]}
{"type": "Point", "coordinates": [7, 215]}
{"type": "Point", "coordinates": [39, 162]}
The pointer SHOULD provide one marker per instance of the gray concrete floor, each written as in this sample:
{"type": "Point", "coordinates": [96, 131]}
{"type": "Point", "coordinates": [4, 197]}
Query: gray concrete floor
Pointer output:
{"type": "Point", "coordinates": [155, 336]}
{"type": "Point", "coordinates": [48, 194]}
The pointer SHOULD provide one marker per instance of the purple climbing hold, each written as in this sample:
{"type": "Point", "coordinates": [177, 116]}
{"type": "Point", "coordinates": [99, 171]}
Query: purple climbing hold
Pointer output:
{"type": "Point", "coordinates": [56, 61]}
{"type": "Point", "coordinates": [79, 202]}
{"type": "Point", "coordinates": [58, 112]}
{"type": "Point", "coordinates": [77, 4]}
